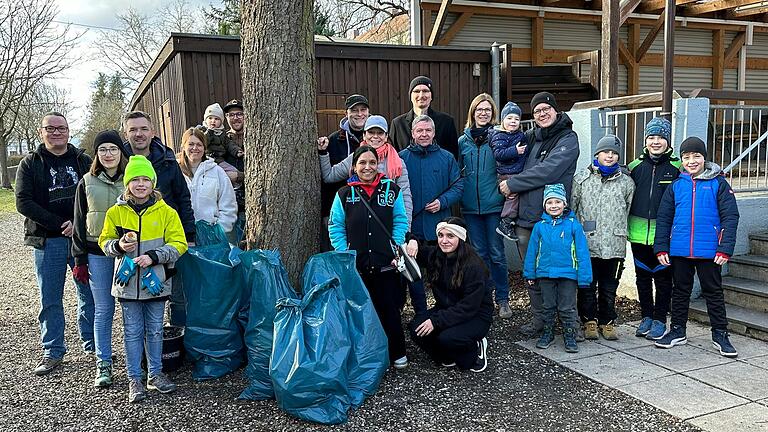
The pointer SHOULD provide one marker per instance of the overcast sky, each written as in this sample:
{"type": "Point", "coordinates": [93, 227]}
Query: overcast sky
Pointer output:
{"type": "Point", "coordinates": [96, 13]}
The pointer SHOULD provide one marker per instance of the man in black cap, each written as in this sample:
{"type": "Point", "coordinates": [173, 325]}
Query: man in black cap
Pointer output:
{"type": "Point", "coordinates": [421, 92]}
{"type": "Point", "coordinates": [235, 115]}
{"type": "Point", "coordinates": [554, 152]}
{"type": "Point", "coordinates": [341, 144]}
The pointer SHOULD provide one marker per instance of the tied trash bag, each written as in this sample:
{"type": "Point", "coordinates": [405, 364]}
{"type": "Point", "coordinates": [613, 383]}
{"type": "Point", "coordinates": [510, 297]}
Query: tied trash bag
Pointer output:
{"type": "Point", "coordinates": [310, 355]}
{"type": "Point", "coordinates": [265, 281]}
{"type": "Point", "coordinates": [369, 356]}
{"type": "Point", "coordinates": [209, 234]}
{"type": "Point", "coordinates": [212, 288]}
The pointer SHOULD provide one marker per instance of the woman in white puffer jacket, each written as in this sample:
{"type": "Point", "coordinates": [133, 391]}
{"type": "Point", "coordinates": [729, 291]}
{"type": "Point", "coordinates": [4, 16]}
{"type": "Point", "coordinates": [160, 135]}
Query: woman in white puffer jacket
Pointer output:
{"type": "Point", "coordinates": [213, 198]}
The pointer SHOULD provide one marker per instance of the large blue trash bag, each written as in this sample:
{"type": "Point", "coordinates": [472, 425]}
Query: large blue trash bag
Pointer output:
{"type": "Point", "coordinates": [209, 234]}
{"type": "Point", "coordinates": [369, 358]}
{"type": "Point", "coordinates": [266, 281]}
{"type": "Point", "coordinates": [310, 354]}
{"type": "Point", "coordinates": [212, 288]}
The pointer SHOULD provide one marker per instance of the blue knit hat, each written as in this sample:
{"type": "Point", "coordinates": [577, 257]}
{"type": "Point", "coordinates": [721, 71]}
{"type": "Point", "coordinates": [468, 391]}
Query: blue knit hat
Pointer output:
{"type": "Point", "coordinates": [511, 108]}
{"type": "Point", "coordinates": [661, 127]}
{"type": "Point", "coordinates": [556, 190]}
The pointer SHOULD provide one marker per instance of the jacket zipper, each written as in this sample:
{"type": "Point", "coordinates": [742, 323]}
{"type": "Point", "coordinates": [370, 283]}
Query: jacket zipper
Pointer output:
{"type": "Point", "coordinates": [693, 213]}
{"type": "Point", "coordinates": [138, 249]}
{"type": "Point", "coordinates": [477, 180]}
{"type": "Point", "coordinates": [650, 203]}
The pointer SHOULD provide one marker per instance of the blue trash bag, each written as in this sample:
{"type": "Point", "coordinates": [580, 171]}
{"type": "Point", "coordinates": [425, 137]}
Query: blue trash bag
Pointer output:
{"type": "Point", "coordinates": [209, 234]}
{"type": "Point", "coordinates": [265, 281]}
{"type": "Point", "coordinates": [369, 358]}
{"type": "Point", "coordinates": [310, 355]}
{"type": "Point", "coordinates": [212, 288]}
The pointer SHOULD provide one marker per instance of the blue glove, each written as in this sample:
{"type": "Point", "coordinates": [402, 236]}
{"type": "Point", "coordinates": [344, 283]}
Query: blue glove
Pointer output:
{"type": "Point", "coordinates": [125, 270]}
{"type": "Point", "coordinates": [152, 283]}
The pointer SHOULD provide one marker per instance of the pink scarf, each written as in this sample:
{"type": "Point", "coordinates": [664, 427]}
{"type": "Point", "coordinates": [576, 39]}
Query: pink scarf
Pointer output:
{"type": "Point", "coordinates": [391, 159]}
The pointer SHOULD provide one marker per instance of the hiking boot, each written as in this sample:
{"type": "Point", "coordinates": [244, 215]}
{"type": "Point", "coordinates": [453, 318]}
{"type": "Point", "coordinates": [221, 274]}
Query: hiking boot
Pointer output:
{"type": "Point", "coordinates": [136, 391]}
{"type": "Point", "coordinates": [47, 365]}
{"type": "Point", "coordinates": [546, 339]}
{"type": "Point", "coordinates": [530, 330]}
{"type": "Point", "coordinates": [161, 383]}
{"type": "Point", "coordinates": [482, 356]}
{"type": "Point", "coordinates": [401, 363]}
{"type": "Point", "coordinates": [658, 330]}
{"type": "Point", "coordinates": [721, 342]}
{"type": "Point", "coordinates": [506, 229]}
{"type": "Point", "coordinates": [505, 312]}
{"type": "Point", "coordinates": [676, 336]}
{"type": "Point", "coordinates": [590, 330]}
{"type": "Point", "coordinates": [644, 327]}
{"type": "Point", "coordinates": [609, 331]}
{"type": "Point", "coordinates": [103, 374]}
{"type": "Point", "coordinates": [569, 338]}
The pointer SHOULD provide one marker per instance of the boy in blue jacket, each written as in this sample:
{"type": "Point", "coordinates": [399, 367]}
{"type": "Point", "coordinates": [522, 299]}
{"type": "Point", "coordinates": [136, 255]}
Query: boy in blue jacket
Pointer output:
{"type": "Point", "coordinates": [509, 149]}
{"type": "Point", "coordinates": [696, 226]}
{"type": "Point", "coordinates": [558, 260]}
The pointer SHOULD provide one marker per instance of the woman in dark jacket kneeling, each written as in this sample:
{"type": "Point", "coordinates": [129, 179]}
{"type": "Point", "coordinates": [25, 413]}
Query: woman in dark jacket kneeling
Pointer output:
{"type": "Point", "coordinates": [454, 333]}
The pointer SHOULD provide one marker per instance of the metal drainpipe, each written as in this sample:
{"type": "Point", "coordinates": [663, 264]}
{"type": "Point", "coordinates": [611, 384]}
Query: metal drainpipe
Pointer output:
{"type": "Point", "coordinates": [416, 22]}
{"type": "Point", "coordinates": [495, 72]}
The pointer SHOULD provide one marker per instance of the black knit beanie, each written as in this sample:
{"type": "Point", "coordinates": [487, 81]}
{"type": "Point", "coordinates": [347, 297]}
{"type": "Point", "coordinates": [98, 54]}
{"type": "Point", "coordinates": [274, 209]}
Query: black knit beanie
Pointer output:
{"type": "Point", "coordinates": [108, 136]}
{"type": "Point", "coordinates": [419, 80]}
{"type": "Point", "coordinates": [693, 144]}
{"type": "Point", "coordinates": [543, 97]}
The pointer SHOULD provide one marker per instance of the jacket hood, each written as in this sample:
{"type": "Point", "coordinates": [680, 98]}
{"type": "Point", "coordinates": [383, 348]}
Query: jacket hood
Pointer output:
{"type": "Point", "coordinates": [711, 170]}
{"type": "Point", "coordinates": [206, 165]}
{"type": "Point", "coordinates": [419, 150]}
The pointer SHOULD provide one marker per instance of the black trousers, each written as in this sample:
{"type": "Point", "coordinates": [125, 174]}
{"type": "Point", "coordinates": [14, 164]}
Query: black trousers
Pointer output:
{"type": "Point", "coordinates": [648, 272]}
{"type": "Point", "coordinates": [387, 294]}
{"type": "Point", "coordinates": [711, 289]}
{"type": "Point", "coordinates": [598, 302]}
{"type": "Point", "coordinates": [453, 344]}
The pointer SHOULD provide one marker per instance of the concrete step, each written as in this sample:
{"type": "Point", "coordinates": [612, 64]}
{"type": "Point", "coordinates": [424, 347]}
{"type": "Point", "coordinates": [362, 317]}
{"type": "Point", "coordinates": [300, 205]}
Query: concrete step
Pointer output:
{"type": "Point", "coordinates": [746, 293]}
{"type": "Point", "coordinates": [753, 267]}
{"type": "Point", "coordinates": [758, 243]}
{"type": "Point", "coordinates": [740, 320]}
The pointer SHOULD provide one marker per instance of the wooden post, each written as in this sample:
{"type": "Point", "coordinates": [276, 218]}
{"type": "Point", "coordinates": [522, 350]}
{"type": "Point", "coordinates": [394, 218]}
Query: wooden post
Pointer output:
{"type": "Point", "coordinates": [633, 70]}
{"type": "Point", "coordinates": [537, 41]}
{"type": "Point", "coordinates": [718, 58]}
{"type": "Point", "coordinates": [609, 64]}
{"type": "Point", "coordinates": [669, 59]}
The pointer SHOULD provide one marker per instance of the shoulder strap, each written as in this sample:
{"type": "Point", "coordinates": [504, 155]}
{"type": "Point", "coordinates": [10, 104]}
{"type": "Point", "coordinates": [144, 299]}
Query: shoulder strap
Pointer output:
{"type": "Point", "coordinates": [374, 215]}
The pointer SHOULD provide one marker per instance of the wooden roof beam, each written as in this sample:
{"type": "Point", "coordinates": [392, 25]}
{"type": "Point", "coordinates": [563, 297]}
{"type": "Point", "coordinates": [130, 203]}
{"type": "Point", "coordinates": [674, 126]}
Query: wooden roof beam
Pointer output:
{"type": "Point", "coordinates": [654, 5]}
{"type": "Point", "coordinates": [715, 5]}
{"type": "Point", "coordinates": [763, 8]}
{"type": "Point", "coordinates": [735, 46]}
{"type": "Point", "coordinates": [460, 22]}
{"type": "Point", "coordinates": [437, 27]}
{"type": "Point", "coordinates": [626, 7]}
{"type": "Point", "coordinates": [646, 45]}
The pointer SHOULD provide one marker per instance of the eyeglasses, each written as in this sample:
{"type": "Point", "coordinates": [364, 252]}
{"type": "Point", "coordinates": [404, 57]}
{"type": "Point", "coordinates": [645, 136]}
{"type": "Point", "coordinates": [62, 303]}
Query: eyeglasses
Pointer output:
{"type": "Point", "coordinates": [542, 111]}
{"type": "Point", "coordinates": [484, 110]}
{"type": "Point", "coordinates": [235, 115]}
{"type": "Point", "coordinates": [59, 129]}
{"type": "Point", "coordinates": [103, 151]}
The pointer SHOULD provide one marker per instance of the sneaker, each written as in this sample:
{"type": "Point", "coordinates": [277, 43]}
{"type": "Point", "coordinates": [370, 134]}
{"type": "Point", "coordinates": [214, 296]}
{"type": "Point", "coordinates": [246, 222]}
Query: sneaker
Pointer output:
{"type": "Point", "coordinates": [569, 338]}
{"type": "Point", "coordinates": [448, 365]}
{"type": "Point", "coordinates": [530, 330]}
{"type": "Point", "coordinates": [644, 327]}
{"type": "Point", "coordinates": [608, 331]}
{"type": "Point", "coordinates": [505, 312]}
{"type": "Point", "coordinates": [161, 383]}
{"type": "Point", "coordinates": [546, 339]}
{"type": "Point", "coordinates": [401, 363]}
{"type": "Point", "coordinates": [47, 365]}
{"type": "Point", "coordinates": [658, 330]}
{"type": "Point", "coordinates": [136, 391]}
{"type": "Point", "coordinates": [506, 229]}
{"type": "Point", "coordinates": [675, 336]}
{"type": "Point", "coordinates": [103, 374]}
{"type": "Point", "coordinates": [590, 331]}
{"type": "Point", "coordinates": [482, 356]}
{"type": "Point", "coordinates": [722, 343]}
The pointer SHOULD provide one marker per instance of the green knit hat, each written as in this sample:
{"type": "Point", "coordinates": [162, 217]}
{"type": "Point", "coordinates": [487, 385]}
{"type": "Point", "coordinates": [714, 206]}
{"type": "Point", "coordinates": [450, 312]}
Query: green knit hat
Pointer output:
{"type": "Point", "coordinates": [139, 166]}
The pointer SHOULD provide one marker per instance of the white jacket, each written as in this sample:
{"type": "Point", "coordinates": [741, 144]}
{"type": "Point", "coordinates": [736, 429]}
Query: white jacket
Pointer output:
{"type": "Point", "coordinates": [213, 198]}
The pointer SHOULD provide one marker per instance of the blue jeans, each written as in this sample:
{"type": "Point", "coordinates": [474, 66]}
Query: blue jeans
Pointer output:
{"type": "Point", "coordinates": [143, 324]}
{"type": "Point", "coordinates": [490, 247]}
{"type": "Point", "coordinates": [51, 270]}
{"type": "Point", "coordinates": [102, 271]}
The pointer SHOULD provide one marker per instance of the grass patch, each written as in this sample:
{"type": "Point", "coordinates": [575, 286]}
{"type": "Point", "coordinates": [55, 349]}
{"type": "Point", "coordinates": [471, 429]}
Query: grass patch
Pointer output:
{"type": "Point", "coordinates": [7, 201]}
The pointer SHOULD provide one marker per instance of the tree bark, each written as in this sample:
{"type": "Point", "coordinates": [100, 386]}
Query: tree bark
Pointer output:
{"type": "Point", "coordinates": [282, 169]}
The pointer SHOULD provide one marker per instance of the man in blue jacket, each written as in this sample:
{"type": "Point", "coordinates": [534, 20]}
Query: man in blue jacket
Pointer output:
{"type": "Point", "coordinates": [436, 185]}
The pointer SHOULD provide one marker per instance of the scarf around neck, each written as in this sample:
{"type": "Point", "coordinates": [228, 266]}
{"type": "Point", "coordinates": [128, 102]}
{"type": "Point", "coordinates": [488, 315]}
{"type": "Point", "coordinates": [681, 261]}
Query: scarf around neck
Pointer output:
{"type": "Point", "coordinates": [605, 171]}
{"type": "Point", "coordinates": [394, 165]}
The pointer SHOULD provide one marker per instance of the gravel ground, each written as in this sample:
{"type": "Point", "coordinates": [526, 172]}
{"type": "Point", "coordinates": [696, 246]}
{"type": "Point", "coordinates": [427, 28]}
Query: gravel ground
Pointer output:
{"type": "Point", "coordinates": [518, 391]}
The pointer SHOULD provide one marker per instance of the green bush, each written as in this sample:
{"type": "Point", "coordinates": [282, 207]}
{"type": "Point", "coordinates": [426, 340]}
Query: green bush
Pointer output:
{"type": "Point", "coordinates": [14, 159]}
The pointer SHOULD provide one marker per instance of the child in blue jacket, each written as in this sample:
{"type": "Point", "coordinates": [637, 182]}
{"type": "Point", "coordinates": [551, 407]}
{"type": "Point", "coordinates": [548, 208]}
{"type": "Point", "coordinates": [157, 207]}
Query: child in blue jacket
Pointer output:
{"type": "Point", "coordinates": [696, 226]}
{"type": "Point", "coordinates": [558, 260]}
{"type": "Point", "coordinates": [509, 146]}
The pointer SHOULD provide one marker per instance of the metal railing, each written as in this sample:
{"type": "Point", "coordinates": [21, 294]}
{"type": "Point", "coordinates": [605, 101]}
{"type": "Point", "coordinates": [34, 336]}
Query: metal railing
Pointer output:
{"type": "Point", "coordinates": [629, 126]}
{"type": "Point", "coordinates": [738, 142]}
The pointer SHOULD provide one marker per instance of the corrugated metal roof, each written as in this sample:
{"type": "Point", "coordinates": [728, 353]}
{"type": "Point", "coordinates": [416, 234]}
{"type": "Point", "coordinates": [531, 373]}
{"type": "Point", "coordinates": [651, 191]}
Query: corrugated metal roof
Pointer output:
{"type": "Point", "coordinates": [686, 79]}
{"type": "Point", "coordinates": [483, 30]}
{"type": "Point", "coordinates": [730, 79]}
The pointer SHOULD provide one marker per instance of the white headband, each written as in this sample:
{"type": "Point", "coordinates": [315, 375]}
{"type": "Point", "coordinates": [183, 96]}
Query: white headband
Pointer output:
{"type": "Point", "coordinates": [454, 229]}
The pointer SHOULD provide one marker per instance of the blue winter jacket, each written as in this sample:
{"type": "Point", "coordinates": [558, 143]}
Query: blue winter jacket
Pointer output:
{"type": "Point", "coordinates": [558, 249]}
{"type": "Point", "coordinates": [698, 217]}
{"type": "Point", "coordinates": [481, 187]}
{"type": "Point", "coordinates": [430, 171]}
{"type": "Point", "coordinates": [504, 145]}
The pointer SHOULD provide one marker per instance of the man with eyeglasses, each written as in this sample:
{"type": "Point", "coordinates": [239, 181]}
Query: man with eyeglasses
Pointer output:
{"type": "Point", "coordinates": [235, 114]}
{"type": "Point", "coordinates": [421, 92]}
{"type": "Point", "coordinates": [46, 181]}
{"type": "Point", "coordinates": [554, 152]}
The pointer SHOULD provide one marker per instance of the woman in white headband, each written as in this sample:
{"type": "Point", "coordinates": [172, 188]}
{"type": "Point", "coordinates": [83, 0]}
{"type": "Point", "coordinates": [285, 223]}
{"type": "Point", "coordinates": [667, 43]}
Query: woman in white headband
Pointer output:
{"type": "Point", "coordinates": [454, 331]}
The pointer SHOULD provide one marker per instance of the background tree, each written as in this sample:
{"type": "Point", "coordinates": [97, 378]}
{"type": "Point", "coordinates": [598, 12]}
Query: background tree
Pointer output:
{"type": "Point", "coordinates": [223, 20]}
{"type": "Point", "coordinates": [32, 49]}
{"type": "Point", "coordinates": [281, 174]}
{"type": "Point", "coordinates": [105, 108]}
{"type": "Point", "coordinates": [44, 97]}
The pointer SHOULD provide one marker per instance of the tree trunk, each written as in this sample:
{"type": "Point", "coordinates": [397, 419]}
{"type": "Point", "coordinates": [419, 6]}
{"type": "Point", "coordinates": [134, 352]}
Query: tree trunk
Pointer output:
{"type": "Point", "coordinates": [282, 169]}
